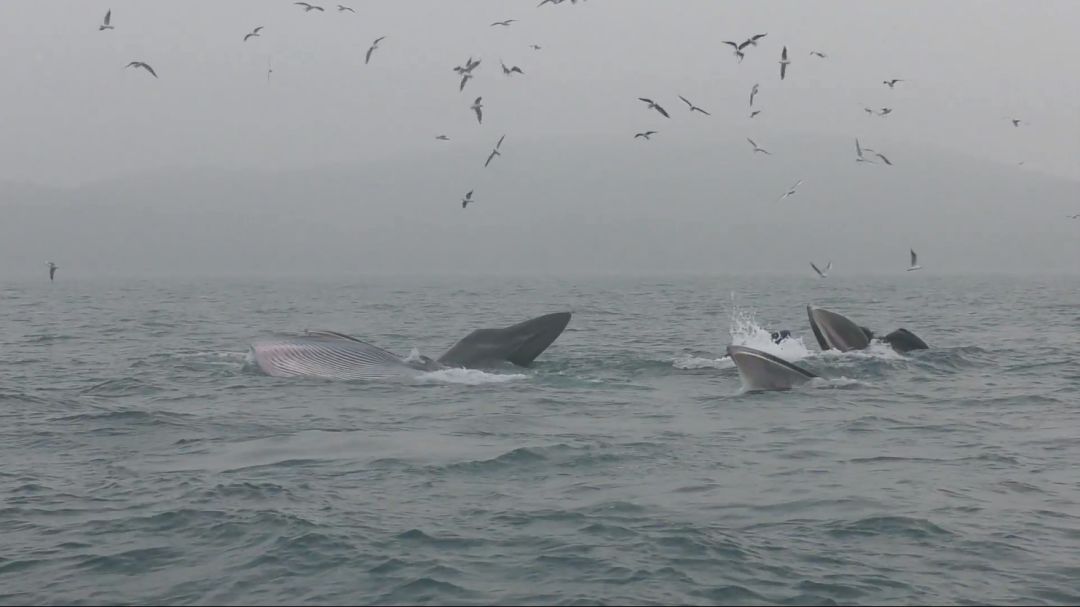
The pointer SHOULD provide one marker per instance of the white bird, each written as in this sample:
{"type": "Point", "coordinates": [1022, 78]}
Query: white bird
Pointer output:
{"type": "Point", "coordinates": [825, 273]}
{"type": "Point", "coordinates": [752, 40]}
{"type": "Point", "coordinates": [254, 33]}
{"type": "Point", "coordinates": [374, 45]}
{"type": "Point", "coordinates": [493, 154]}
{"type": "Point", "coordinates": [914, 260]}
{"type": "Point", "coordinates": [646, 134]}
{"type": "Point", "coordinates": [655, 106]}
{"type": "Point", "coordinates": [308, 7]}
{"type": "Point", "coordinates": [783, 62]}
{"type": "Point", "coordinates": [476, 107]}
{"type": "Point", "coordinates": [892, 82]}
{"type": "Point", "coordinates": [108, 20]}
{"type": "Point", "coordinates": [342, 8]}
{"type": "Point", "coordinates": [504, 23]}
{"type": "Point", "coordinates": [145, 66]}
{"type": "Point", "coordinates": [758, 149]}
{"type": "Point", "coordinates": [790, 192]}
{"type": "Point", "coordinates": [52, 269]}
{"type": "Point", "coordinates": [738, 48]}
{"type": "Point", "coordinates": [468, 198]}
{"type": "Point", "coordinates": [753, 92]}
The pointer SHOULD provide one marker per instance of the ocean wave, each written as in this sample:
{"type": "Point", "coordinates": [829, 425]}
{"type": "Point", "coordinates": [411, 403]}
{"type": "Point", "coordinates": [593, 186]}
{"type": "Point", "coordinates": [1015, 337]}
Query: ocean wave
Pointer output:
{"type": "Point", "coordinates": [468, 377]}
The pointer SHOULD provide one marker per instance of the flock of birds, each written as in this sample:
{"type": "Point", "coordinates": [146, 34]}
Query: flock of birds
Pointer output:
{"type": "Point", "coordinates": [466, 74]}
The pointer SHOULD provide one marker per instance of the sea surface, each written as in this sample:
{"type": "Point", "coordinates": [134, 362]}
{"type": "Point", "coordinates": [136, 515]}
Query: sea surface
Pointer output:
{"type": "Point", "coordinates": [145, 461]}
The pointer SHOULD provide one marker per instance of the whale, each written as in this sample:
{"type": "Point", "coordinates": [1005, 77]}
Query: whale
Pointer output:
{"type": "Point", "coordinates": [332, 355]}
{"type": "Point", "coordinates": [761, 371]}
{"type": "Point", "coordinates": [835, 331]}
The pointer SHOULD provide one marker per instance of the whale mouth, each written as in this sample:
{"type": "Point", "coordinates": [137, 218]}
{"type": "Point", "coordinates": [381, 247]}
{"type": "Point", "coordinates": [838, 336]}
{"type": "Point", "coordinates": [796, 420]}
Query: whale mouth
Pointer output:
{"type": "Point", "coordinates": [835, 331]}
{"type": "Point", "coordinates": [519, 344]}
{"type": "Point", "coordinates": [761, 371]}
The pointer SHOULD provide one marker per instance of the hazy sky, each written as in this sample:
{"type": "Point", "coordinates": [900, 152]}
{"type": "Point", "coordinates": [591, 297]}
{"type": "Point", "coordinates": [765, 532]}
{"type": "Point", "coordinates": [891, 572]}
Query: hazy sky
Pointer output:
{"type": "Point", "coordinates": [73, 114]}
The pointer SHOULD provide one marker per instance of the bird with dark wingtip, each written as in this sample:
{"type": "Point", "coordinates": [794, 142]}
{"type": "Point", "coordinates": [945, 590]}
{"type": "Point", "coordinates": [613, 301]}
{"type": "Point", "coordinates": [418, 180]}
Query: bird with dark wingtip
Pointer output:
{"type": "Point", "coordinates": [138, 64]}
{"type": "Point", "coordinates": [374, 45]}
{"type": "Point", "coordinates": [468, 198]}
{"type": "Point", "coordinates": [254, 33]}
{"type": "Point", "coordinates": [693, 108]}
{"type": "Point", "coordinates": [309, 7]}
{"type": "Point", "coordinates": [655, 106]}
{"type": "Point", "coordinates": [108, 20]}
{"type": "Point", "coordinates": [645, 135]}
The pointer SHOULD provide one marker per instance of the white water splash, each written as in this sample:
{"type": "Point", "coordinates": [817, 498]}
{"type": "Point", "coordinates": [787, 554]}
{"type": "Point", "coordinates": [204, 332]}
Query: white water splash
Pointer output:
{"type": "Point", "coordinates": [745, 331]}
{"type": "Point", "coordinates": [876, 350]}
{"type": "Point", "coordinates": [469, 377]}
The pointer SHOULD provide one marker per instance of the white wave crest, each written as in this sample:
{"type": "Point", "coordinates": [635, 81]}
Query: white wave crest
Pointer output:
{"type": "Point", "coordinates": [697, 362]}
{"type": "Point", "coordinates": [469, 377]}
{"type": "Point", "coordinates": [745, 331]}
{"type": "Point", "coordinates": [877, 350]}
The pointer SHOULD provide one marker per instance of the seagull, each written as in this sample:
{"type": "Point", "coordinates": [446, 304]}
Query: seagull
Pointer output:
{"type": "Point", "coordinates": [468, 198]}
{"type": "Point", "coordinates": [869, 111]}
{"type": "Point", "coordinates": [308, 7]}
{"type": "Point", "coordinates": [653, 105]}
{"type": "Point", "coordinates": [269, 69]}
{"type": "Point", "coordinates": [790, 192]}
{"type": "Point", "coordinates": [510, 70]}
{"type": "Point", "coordinates": [859, 154]}
{"type": "Point", "coordinates": [693, 108]}
{"type": "Point", "coordinates": [752, 41]}
{"type": "Point", "coordinates": [892, 82]}
{"type": "Point", "coordinates": [142, 65]}
{"type": "Point", "coordinates": [108, 19]}
{"type": "Point", "coordinates": [498, 143]}
{"type": "Point", "coordinates": [783, 62]}
{"type": "Point", "coordinates": [885, 111]}
{"type": "Point", "coordinates": [254, 33]}
{"type": "Point", "coordinates": [464, 78]}
{"type": "Point", "coordinates": [341, 8]}
{"type": "Point", "coordinates": [818, 54]}
{"type": "Point", "coordinates": [493, 154]}
{"type": "Point", "coordinates": [882, 156]}
{"type": "Point", "coordinates": [374, 45]}
{"type": "Point", "coordinates": [442, 138]}
{"type": "Point", "coordinates": [504, 23]}
{"type": "Point", "coordinates": [470, 65]}
{"type": "Point", "coordinates": [753, 92]}
{"type": "Point", "coordinates": [914, 265]}
{"type": "Point", "coordinates": [52, 269]}
{"type": "Point", "coordinates": [825, 273]}
{"type": "Point", "coordinates": [534, 47]}
{"type": "Point", "coordinates": [754, 113]}
{"type": "Point", "coordinates": [738, 48]}
{"type": "Point", "coordinates": [646, 135]}
{"type": "Point", "coordinates": [1077, 216]}
{"type": "Point", "coordinates": [756, 148]}
{"type": "Point", "coordinates": [476, 107]}
{"type": "Point", "coordinates": [1016, 121]}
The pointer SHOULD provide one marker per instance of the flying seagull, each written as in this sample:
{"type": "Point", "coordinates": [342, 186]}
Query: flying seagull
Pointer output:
{"type": "Point", "coordinates": [52, 269]}
{"type": "Point", "coordinates": [859, 153]}
{"type": "Point", "coordinates": [753, 92]}
{"type": "Point", "coordinates": [374, 45]}
{"type": "Point", "coordinates": [468, 198]}
{"type": "Point", "coordinates": [308, 7]}
{"type": "Point", "coordinates": [1077, 216]}
{"type": "Point", "coordinates": [646, 135]}
{"type": "Point", "coordinates": [885, 111]}
{"type": "Point", "coordinates": [914, 264]}
{"type": "Point", "coordinates": [754, 113]}
{"type": "Point", "coordinates": [254, 33]}
{"type": "Point", "coordinates": [476, 107]}
{"type": "Point", "coordinates": [758, 149]}
{"type": "Point", "coordinates": [892, 82]}
{"type": "Point", "coordinates": [442, 138]}
{"type": "Point", "coordinates": [504, 23]}
{"type": "Point", "coordinates": [470, 65]}
{"type": "Point", "coordinates": [342, 8]}
{"type": "Point", "coordinates": [790, 192]}
{"type": "Point", "coordinates": [510, 70]}
{"type": "Point", "coordinates": [1015, 121]}
{"type": "Point", "coordinates": [142, 65]}
{"type": "Point", "coordinates": [693, 108]}
{"type": "Point", "coordinates": [752, 40]}
{"type": "Point", "coordinates": [882, 156]}
{"type": "Point", "coordinates": [534, 47]}
{"type": "Point", "coordinates": [653, 106]}
{"type": "Point", "coordinates": [464, 78]}
{"type": "Point", "coordinates": [269, 69]}
{"type": "Point", "coordinates": [825, 273]}
{"type": "Point", "coordinates": [818, 54]}
{"type": "Point", "coordinates": [108, 19]}
{"type": "Point", "coordinates": [869, 111]}
{"type": "Point", "coordinates": [783, 62]}
{"type": "Point", "coordinates": [493, 154]}
{"type": "Point", "coordinates": [738, 48]}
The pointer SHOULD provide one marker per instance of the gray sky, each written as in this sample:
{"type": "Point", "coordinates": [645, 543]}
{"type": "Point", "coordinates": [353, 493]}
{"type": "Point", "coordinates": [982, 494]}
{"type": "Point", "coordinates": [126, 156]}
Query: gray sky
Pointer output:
{"type": "Point", "coordinates": [72, 114]}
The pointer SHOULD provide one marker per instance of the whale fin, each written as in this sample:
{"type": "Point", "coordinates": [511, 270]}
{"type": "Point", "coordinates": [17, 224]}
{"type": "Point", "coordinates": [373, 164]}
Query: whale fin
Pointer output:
{"type": "Point", "coordinates": [519, 344]}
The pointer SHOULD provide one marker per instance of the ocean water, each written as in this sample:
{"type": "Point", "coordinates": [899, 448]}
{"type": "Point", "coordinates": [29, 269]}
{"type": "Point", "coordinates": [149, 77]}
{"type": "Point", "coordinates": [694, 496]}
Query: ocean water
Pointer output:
{"type": "Point", "coordinates": [145, 461]}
